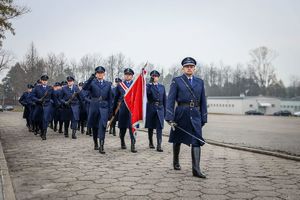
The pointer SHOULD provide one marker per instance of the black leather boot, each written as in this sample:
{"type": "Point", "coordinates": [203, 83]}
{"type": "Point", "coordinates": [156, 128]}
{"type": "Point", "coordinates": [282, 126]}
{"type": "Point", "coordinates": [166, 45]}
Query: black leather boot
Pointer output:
{"type": "Point", "coordinates": [114, 131]}
{"type": "Point", "coordinates": [74, 134]}
{"type": "Point", "coordinates": [95, 138]}
{"type": "Point", "coordinates": [122, 138]}
{"type": "Point", "coordinates": [82, 127]}
{"type": "Point", "coordinates": [110, 130]}
{"type": "Point", "coordinates": [66, 132]}
{"type": "Point", "coordinates": [101, 149]}
{"type": "Point", "coordinates": [133, 150]}
{"type": "Point", "coordinates": [60, 127]}
{"type": "Point", "coordinates": [150, 137]}
{"type": "Point", "coordinates": [55, 127]}
{"type": "Point", "coordinates": [158, 148]}
{"type": "Point", "coordinates": [176, 150]}
{"type": "Point", "coordinates": [196, 153]}
{"type": "Point", "coordinates": [43, 134]}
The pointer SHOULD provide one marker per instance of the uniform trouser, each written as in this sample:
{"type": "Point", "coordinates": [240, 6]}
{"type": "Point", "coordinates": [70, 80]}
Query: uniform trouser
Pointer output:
{"type": "Point", "coordinates": [73, 123]}
{"type": "Point", "coordinates": [95, 135]}
{"type": "Point", "coordinates": [101, 132]}
{"type": "Point", "coordinates": [158, 134]}
{"type": "Point", "coordinates": [28, 122]}
{"type": "Point", "coordinates": [123, 133]}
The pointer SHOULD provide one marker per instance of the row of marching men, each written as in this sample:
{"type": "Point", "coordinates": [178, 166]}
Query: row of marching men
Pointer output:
{"type": "Point", "coordinates": [67, 105]}
{"type": "Point", "coordinates": [99, 103]}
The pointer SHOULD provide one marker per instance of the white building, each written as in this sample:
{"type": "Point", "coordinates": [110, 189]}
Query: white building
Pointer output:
{"type": "Point", "coordinates": [292, 105]}
{"type": "Point", "coordinates": [242, 104]}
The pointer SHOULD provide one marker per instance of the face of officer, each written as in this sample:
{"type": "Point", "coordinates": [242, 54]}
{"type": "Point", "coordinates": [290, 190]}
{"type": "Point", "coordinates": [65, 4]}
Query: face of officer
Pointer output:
{"type": "Point", "coordinates": [189, 70]}
{"type": "Point", "coordinates": [57, 87]}
{"type": "Point", "coordinates": [155, 78]}
{"type": "Point", "coordinates": [44, 82]}
{"type": "Point", "coordinates": [70, 82]}
{"type": "Point", "coordinates": [128, 77]}
{"type": "Point", "coordinates": [100, 75]}
{"type": "Point", "coordinates": [29, 89]}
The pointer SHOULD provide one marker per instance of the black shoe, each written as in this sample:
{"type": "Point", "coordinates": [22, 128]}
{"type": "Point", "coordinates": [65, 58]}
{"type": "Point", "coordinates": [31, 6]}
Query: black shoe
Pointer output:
{"type": "Point", "coordinates": [123, 145]}
{"type": "Point", "coordinates": [133, 150]}
{"type": "Point", "coordinates": [55, 129]}
{"type": "Point", "coordinates": [74, 134]}
{"type": "Point", "coordinates": [110, 130]}
{"type": "Point", "coordinates": [176, 150]}
{"type": "Point", "coordinates": [196, 153]}
{"type": "Point", "coordinates": [151, 146]}
{"type": "Point", "coordinates": [114, 131]}
{"type": "Point", "coordinates": [158, 148]}
{"type": "Point", "coordinates": [101, 148]}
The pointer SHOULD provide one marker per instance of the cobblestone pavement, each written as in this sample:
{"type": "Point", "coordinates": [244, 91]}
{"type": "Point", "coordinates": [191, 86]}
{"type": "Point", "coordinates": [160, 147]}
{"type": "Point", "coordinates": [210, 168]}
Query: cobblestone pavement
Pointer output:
{"type": "Point", "coordinates": [61, 168]}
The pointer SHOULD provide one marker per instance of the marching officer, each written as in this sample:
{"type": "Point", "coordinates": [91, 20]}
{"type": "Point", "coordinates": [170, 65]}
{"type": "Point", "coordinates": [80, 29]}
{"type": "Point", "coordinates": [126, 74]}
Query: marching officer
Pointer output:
{"type": "Point", "coordinates": [112, 128]}
{"type": "Point", "coordinates": [35, 108]}
{"type": "Point", "coordinates": [24, 101]}
{"type": "Point", "coordinates": [57, 106]}
{"type": "Point", "coordinates": [43, 97]}
{"type": "Point", "coordinates": [155, 112]}
{"type": "Point", "coordinates": [70, 99]}
{"type": "Point", "coordinates": [124, 117]}
{"type": "Point", "coordinates": [83, 111]}
{"type": "Point", "coordinates": [189, 116]}
{"type": "Point", "coordinates": [100, 107]}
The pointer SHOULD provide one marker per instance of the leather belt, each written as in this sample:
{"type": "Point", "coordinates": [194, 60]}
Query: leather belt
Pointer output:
{"type": "Point", "coordinates": [98, 99]}
{"type": "Point", "coordinates": [157, 103]}
{"type": "Point", "coordinates": [189, 104]}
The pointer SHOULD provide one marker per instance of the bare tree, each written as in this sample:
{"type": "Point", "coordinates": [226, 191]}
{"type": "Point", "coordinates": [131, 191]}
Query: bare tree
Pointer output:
{"type": "Point", "coordinates": [111, 63]}
{"type": "Point", "coordinates": [261, 61]}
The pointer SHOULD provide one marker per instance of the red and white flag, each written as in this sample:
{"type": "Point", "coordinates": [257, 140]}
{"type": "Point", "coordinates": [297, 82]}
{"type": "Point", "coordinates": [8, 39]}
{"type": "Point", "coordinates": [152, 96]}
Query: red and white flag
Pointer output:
{"type": "Point", "coordinates": [135, 99]}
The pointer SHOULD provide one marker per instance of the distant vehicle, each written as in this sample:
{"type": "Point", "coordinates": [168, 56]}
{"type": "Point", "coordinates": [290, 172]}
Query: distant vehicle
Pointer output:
{"type": "Point", "coordinates": [8, 108]}
{"type": "Point", "coordinates": [253, 112]}
{"type": "Point", "coordinates": [283, 113]}
{"type": "Point", "coordinates": [1, 108]}
{"type": "Point", "coordinates": [297, 114]}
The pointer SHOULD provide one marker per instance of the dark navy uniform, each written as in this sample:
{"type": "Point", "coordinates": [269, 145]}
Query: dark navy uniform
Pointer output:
{"type": "Point", "coordinates": [112, 128]}
{"type": "Point", "coordinates": [70, 98]}
{"type": "Point", "coordinates": [83, 109]}
{"type": "Point", "coordinates": [155, 112]}
{"type": "Point", "coordinates": [42, 96]}
{"type": "Point", "coordinates": [25, 101]}
{"type": "Point", "coordinates": [190, 115]}
{"type": "Point", "coordinates": [100, 107]}
{"type": "Point", "coordinates": [124, 118]}
{"type": "Point", "coordinates": [57, 109]}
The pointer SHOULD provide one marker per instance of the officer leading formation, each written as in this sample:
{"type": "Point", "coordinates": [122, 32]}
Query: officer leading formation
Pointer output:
{"type": "Point", "coordinates": [97, 105]}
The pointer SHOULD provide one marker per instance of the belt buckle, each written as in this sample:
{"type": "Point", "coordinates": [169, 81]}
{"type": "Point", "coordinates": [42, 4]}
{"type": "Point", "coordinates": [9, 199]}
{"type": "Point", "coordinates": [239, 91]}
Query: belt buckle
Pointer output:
{"type": "Point", "coordinates": [100, 98]}
{"type": "Point", "coordinates": [192, 104]}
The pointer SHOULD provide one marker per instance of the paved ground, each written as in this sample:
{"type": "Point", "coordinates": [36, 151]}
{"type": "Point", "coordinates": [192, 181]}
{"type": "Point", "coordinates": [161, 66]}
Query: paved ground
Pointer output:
{"type": "Point", "coordinates": [62, 168]}
{"type": "Point", "coordinates": [265, 132]}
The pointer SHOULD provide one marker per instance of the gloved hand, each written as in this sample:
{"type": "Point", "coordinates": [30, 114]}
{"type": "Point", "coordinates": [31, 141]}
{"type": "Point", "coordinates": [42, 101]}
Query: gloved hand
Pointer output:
{"type": "Point", "coordinates": [92, 76]}
{"type": "Point", "coordinates": [39, 101]}
{"type": "Point", "coordinates": [172, 124]}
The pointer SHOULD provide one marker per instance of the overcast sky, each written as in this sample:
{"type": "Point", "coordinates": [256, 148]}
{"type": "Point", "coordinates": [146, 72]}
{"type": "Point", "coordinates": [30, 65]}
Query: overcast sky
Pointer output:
{"type": "Point", "coordinates": [163, 32]}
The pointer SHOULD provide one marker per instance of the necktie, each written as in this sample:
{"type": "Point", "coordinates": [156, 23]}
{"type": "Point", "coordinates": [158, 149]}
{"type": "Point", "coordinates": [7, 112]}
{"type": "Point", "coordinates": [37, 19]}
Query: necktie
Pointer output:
{"type": "Point", "coordinates": [190, 79]}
